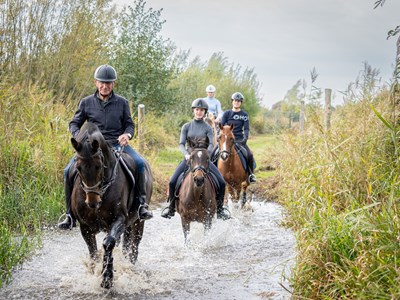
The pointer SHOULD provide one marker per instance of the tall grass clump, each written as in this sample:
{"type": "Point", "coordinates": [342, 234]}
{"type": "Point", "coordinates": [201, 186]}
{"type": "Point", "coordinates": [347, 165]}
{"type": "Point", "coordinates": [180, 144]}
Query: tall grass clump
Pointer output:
{"type": "Point", "coordinates": [34, 151]}
{"type": "Point", "coordinates": [340, 188]}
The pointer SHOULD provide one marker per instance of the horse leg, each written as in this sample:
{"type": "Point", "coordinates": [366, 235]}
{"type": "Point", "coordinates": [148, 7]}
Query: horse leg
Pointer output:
{"type": "Point", "coordinates": [243, 199]}
{"type": "Point", "coordinates": [132, 238]}
{"type": "Point", "coordinates": [186, 230]}
{"type": "Point", "coordinates": [109, 243]}
{"type": "Point", "coordinates": [90, 239]}
{"type": "Point", "coordinates": [207, 224]}
{"type": "Point", "coordinates": [244, 194]}
{"type": "Point", "coordinates": [108, 268]}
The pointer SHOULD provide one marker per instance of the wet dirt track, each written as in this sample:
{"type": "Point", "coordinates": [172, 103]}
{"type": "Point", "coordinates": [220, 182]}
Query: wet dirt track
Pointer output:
{"type": "Point", "coordinates": [246, 257]}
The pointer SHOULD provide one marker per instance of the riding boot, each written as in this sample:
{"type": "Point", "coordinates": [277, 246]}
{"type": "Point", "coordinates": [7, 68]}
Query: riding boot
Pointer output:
{"type": "Point", "coordinates": [70, 220]}
{"type": "Point", "coordinates": [222, 212]}
{"type": "Point", "coordinates": [144, 214]}
{"type": "Point", "coordinates": [169, 211]}
{"type": "Point", "coordinates": [251, 166]}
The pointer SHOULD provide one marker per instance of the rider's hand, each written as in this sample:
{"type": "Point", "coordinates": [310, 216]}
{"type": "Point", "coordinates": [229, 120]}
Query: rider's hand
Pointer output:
{"type": "Point", "coordinates": [123, 139]}
{"type": "Point", "coordinates": [187, 156]}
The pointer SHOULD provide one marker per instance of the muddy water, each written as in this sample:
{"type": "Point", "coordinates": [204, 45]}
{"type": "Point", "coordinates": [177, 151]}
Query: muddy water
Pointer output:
{"type": "Point", "coordinates": [246, 257]}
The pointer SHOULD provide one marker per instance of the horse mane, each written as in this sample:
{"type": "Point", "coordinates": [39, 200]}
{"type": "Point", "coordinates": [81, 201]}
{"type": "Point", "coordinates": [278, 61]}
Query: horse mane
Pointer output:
{"type": "Point", "coordinates": [197, 142]}
{"type": "Point", "coordinates": [89, 133]}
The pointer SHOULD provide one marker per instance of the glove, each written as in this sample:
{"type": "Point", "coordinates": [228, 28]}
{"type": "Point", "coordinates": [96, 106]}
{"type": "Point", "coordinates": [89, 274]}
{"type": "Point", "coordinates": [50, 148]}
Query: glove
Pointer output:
{"type": "Point", "coordinates": [243, 142]}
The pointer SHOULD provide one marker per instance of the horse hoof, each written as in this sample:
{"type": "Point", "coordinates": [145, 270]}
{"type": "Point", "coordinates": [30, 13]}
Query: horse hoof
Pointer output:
{"type": "Point", "coordinates": [107, 283]}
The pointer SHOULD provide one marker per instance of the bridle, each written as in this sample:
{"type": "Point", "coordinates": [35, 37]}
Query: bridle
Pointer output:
{"type": "Point", "coordinates": [227, 152]}
{"type": "Point", "coordinates": [101, 187]}
{"type": "Point", "coordinates": [203, 169]}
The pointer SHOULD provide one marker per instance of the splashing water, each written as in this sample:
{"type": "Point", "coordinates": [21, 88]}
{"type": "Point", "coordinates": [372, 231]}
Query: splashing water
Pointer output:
{"type": "Point", "coordinates": [246, 257]}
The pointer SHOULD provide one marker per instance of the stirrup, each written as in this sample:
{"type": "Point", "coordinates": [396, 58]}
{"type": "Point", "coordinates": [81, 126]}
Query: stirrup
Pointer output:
{"type": "Point", "coordinates": [252, 178]}
{"type": "Point", "coordinates": [147, 215]}
{"type": "Point", "coordinates": [167, 214]}
{"type": "Point", "coordinates": [68, 223]}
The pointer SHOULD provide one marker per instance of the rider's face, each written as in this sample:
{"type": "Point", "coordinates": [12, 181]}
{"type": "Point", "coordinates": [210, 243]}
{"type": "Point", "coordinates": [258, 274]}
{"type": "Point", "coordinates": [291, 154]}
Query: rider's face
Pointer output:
{"type": "Point", "coordinates": [236, 103]}
{"type": "Point", "coordinates": [199, 113]}
{"type": "Point", "coordinates": [105, 88]}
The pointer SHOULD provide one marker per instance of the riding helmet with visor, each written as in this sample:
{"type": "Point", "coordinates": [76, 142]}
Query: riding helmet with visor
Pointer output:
{"type": "Point", "coordinates": [105, 73]}
{"type": "Point", "coordinates": [237, 96]}
{"type": "Point", "coordinates": [210, 89]}
{"type": "Point", "coordinates": [200, 103]}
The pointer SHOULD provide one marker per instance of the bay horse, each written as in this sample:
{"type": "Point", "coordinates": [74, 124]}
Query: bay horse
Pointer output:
{"type": "Point", "coordinates": [197, 196]}
{"type": "Point", "coordinates": [103, 198]}
{"type": "Point", "coordinates": [231, 167]}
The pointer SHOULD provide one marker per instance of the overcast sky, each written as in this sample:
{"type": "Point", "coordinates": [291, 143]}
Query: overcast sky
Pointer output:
{"type": "Point", "coordinates": [283, 40]}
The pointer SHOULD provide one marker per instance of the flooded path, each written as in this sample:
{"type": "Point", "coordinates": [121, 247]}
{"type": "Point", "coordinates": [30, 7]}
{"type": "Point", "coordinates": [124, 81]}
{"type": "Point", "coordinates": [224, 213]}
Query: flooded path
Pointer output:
{"type": "Point", "coordinates": [246, 257]}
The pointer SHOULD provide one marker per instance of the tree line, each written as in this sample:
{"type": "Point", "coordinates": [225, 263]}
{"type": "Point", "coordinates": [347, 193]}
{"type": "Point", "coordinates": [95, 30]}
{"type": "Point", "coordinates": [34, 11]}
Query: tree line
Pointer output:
{"type": "Point", "coordinates": [57, 44]}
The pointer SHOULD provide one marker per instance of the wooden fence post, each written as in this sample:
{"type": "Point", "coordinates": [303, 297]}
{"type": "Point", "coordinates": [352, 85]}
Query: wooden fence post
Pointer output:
{"type": "Point", "coordinates": [302, 116]}
{"type": "Point", "coordinates": [141, 127]}
{"type": "Point", "coordinates": [328, 112]}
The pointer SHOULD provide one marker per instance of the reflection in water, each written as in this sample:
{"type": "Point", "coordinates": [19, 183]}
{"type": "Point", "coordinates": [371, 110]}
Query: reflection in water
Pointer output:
{"type": "Point", "coordinates": [242, 258]}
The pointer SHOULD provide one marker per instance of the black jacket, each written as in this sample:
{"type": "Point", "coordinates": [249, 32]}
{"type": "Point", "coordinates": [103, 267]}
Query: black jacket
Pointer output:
{"type": "Point", "coordinates": [113, 119]}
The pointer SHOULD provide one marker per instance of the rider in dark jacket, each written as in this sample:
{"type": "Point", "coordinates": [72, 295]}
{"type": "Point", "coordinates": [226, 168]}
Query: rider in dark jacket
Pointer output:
{"type": "Point", "coordinates": [197, 128]}
{"type": "Point", "coordinates": [111, 113]}
{"type": "Point", "coordinates": [240, 120]}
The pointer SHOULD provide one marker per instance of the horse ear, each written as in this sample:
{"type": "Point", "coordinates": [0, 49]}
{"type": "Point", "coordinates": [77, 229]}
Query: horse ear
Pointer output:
{"type": "Point", "coordinates": [220, 126]}
{"type": "Point", "coordinates": [232, 126]}
{"type": "Point", "coordinates": [77, 146]}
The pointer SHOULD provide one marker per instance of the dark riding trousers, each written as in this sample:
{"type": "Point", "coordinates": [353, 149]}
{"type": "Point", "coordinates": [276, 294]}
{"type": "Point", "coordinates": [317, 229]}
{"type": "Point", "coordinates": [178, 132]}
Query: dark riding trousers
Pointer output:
{"type": "Point", "coordinates": [182, 167]}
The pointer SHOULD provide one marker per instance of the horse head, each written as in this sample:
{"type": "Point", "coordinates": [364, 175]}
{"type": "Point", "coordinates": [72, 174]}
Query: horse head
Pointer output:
{"type": "Point", "coordinates": [226, 140]}
{"type": "Point", "coordinates": [198, 165]}
{"type": "Point", "coordinates": [90, 164]}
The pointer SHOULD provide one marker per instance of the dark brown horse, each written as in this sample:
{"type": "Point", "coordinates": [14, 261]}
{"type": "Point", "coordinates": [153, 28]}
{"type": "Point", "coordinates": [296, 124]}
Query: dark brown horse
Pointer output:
{"type": "Point", "coordinates": [230, 166]}
{"type": "Point", "coordinates": [197, 197]}
{"type": "Point", "coordinates": [103, 198]}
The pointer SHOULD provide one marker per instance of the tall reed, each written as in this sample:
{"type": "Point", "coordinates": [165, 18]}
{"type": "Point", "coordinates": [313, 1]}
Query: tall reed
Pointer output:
{"type": "Point", "coordinates": [341, 192]}
{"type": "Point", "coordinates": [34, 151]}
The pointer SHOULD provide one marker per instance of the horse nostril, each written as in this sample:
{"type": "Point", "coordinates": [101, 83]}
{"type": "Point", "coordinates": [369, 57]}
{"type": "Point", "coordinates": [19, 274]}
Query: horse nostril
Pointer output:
{"type": "Point", "coordinates": [199, 181]}
{"type": "Point", "coordinates": [93, 202]}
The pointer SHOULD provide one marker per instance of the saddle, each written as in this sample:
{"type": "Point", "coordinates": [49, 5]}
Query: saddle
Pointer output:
{"type": "Point", "coordinates": [210, 176]}
{"type": "Point", "coordinates": [242, 152]}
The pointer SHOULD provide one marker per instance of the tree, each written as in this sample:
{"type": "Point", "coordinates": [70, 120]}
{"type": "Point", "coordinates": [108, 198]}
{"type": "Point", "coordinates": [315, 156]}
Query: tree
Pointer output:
{"type": "Point", "coordinates": [144, 60]}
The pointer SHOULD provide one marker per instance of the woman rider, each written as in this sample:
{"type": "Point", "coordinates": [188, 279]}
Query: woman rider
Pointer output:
{"type": "Point", "coordinates": [197, 128]}
{"type": "Point", "coordinates": [241, 128]}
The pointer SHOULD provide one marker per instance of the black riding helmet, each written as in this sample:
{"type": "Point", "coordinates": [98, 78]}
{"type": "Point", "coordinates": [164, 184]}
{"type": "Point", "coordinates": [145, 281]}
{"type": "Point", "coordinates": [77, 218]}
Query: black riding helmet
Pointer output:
{"type": "Point", "coordinates": [200, 103]}
{"type": "Point", "coordinates": [237, 96]}
{"type": "Point", "coordinates": [105, 73]}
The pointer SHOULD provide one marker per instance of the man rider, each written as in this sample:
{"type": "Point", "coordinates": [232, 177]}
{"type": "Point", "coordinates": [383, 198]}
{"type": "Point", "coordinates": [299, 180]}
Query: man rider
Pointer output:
{"type": "Point", "coordinates": [111, 113]}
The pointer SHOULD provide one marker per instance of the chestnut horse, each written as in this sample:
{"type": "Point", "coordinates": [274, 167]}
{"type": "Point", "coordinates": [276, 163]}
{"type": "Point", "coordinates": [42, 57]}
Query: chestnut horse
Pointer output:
{"type": "Point", "coordinates": [230, 166]}
{"type": "Point", "coordinates": [197, 197]}
{"type": "Point", "coordinates": [210, 120]}
{"type": "Point", "coordinates": [103, 198]}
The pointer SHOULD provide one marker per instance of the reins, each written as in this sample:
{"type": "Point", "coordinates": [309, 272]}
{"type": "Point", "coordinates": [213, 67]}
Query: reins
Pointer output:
{"type": "Point", "coordinates": [103, 187]}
